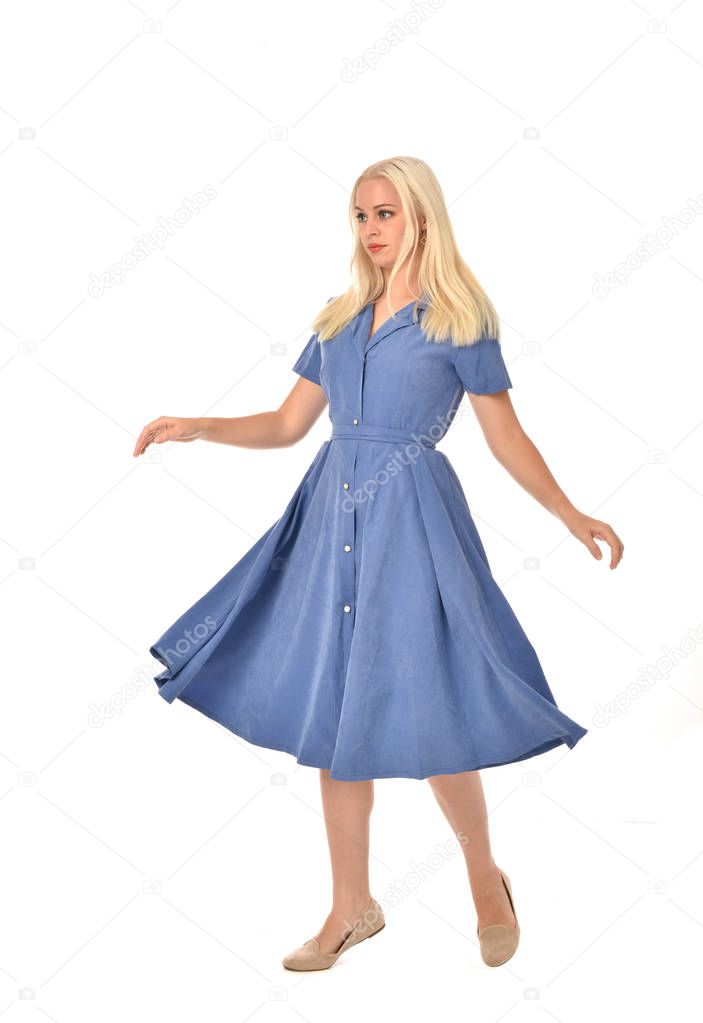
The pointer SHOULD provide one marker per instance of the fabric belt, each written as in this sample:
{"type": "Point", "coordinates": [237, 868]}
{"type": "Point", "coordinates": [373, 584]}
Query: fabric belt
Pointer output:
{"type": "Point", "coordinates": [365, 432]}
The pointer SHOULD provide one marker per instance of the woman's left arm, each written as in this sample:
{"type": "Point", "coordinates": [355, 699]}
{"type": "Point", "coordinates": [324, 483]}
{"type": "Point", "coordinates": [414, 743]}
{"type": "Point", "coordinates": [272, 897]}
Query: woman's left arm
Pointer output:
{"type": "Point", "coordinates": [511, 446]}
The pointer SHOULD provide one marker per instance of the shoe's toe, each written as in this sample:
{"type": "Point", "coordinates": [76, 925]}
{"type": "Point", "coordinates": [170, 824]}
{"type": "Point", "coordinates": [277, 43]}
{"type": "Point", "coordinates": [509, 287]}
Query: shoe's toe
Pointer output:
{"type": "Point", "coordinates": [307, 957]}
{"type": "Point", "coordinates": [498, 944]}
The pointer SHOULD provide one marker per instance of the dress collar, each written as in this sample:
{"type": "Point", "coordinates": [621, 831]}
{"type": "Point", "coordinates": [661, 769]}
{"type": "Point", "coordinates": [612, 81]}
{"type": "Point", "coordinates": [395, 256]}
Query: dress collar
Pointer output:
{"type": "Point", "coordinates": [364, 319]}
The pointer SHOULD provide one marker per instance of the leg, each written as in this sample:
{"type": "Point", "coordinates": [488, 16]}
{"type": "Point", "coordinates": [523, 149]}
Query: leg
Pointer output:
{"type": "Point", "coordinates": [462, 801]}
{"type": "Point", "coordinates": [347, 809]}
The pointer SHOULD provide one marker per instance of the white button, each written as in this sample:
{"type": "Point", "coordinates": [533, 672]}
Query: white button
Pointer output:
{"type": "Point", "coordinates": [347, 608]}
{"type": "Point", "coordinates": [347, 547]}
{"type": "Point", "coordinates": [355, 421]}
{"type": "Point", "coordinates": [346, 486]}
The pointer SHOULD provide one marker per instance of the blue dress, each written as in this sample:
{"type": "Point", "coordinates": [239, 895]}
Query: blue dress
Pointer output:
{"type": "Point", "coordinates": [364, 631]}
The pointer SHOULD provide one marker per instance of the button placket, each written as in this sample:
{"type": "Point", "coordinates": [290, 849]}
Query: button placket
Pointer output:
{"type": "Point", "coordinates": [348, 573]}
{"type": "Point", "coordinates": [349, 527]}
{"type": "Point", "coordinates": [347, 532]}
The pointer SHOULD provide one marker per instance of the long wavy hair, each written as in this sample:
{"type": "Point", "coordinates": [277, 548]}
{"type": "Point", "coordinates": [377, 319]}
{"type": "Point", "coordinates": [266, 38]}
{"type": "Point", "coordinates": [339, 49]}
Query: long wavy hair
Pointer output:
{"type": "Point", "coordinates": [458, 309]}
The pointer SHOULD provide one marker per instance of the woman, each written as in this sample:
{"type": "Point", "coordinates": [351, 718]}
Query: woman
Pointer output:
{"type": "Point", "coordinates": [363, 632]}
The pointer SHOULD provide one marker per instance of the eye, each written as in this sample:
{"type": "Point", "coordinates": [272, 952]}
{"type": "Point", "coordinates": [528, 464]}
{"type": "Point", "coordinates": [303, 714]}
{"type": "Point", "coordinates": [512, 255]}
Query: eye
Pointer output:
{"type": "Point", "coordinates": [359, 216]}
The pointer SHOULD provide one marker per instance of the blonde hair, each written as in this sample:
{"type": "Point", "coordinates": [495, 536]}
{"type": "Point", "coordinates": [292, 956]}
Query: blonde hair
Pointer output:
{"type": "Point", "coordinates": [458, 309]}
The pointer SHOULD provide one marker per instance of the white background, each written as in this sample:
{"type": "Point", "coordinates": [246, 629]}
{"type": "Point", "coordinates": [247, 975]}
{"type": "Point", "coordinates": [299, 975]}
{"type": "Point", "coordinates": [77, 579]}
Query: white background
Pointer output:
{"type": "Point", "coordinates": [155, 865]}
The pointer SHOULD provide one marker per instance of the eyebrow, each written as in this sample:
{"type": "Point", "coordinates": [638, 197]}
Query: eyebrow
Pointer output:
{"type": "Point", "coordinates": [378, 207]}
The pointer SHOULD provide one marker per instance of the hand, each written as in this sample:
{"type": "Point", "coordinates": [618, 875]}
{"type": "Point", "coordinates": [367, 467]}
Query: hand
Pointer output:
{"type": "Point", "coordinates": [167, 428]}
{"type": "Point", "coordinates": [587, 530]}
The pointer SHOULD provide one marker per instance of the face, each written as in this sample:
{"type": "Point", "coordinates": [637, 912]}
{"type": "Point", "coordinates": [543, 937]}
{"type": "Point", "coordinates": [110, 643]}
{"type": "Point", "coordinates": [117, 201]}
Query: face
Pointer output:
{"type": "Point", "coordinates": [381, 221]}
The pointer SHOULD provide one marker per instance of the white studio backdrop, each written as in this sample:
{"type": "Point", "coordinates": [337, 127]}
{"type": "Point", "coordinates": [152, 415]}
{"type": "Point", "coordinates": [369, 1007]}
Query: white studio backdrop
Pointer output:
{"type": "Point", "coordinates": [155, 865]}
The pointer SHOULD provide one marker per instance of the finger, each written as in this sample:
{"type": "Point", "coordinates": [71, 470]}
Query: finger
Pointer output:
{"type": "Point", "coordinates": [593, 546]}
{"type": "Point", "coordinates": [620, 552]}
{"type": "Point", "coordinates": [147, 435]}
{"type": "Point", "coordinates": [614, 542]}
{"type": "Point", "coordinates": [606, 534]}
{"type": "Point", "coordinates": [614, 554]}
{"type": "Point", "coordinates": [145, 439]}
{"type": "Point", "coordinates": [142, 442]}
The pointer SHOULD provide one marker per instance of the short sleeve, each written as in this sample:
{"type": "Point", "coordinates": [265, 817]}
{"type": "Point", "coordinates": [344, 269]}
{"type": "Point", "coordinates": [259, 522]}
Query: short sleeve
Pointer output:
{"type": "Point", "coordinates": [481, 368]}
{"type": "Point", "coordinates": [308, 362]}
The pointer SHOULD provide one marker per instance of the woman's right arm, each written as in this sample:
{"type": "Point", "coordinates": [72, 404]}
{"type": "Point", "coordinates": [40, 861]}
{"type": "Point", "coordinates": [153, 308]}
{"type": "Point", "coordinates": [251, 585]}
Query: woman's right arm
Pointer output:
{"type": "Point", "coordinates": [279, 429]}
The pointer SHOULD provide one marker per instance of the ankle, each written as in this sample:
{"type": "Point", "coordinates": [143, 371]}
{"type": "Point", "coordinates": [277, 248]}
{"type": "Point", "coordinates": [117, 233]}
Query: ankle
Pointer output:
{"type": "Point", "coordinates": [350, 906]}
{"type": "Point", "coordinates": [486, 879]}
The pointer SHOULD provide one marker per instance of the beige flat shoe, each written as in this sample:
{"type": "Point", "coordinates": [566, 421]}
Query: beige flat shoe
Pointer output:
{"type": "Point", "coordinates": [309, 956]}
{"type": "Point", "coordinates": [497, 941]}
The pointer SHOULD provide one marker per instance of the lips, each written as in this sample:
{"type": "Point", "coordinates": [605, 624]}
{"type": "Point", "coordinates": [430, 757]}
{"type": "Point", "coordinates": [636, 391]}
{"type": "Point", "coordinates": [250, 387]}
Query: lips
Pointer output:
{"type": "Point", "coordinates": [375, 248]}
